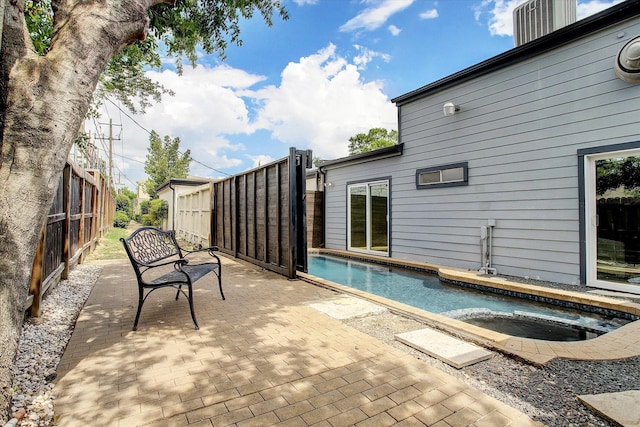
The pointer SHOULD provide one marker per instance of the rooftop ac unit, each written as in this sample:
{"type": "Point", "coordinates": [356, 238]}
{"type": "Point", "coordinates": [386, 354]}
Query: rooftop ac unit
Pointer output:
{"type": "Point", "coordinates": [537, 18]}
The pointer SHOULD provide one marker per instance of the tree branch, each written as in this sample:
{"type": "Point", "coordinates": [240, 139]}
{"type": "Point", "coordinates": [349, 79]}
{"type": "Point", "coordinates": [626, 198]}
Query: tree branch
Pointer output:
{"type": "Point", "coordinates": [16, 41]}
{"type": "Point", "coordinates": [16, 44]}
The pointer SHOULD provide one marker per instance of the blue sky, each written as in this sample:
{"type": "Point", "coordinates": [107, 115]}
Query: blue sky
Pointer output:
{"type": "Point", "coordinates": [313, 81]}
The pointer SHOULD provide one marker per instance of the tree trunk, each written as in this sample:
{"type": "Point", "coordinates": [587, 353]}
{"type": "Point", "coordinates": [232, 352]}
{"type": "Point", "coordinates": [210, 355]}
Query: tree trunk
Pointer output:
{"type": "Point", "coordinates": [43, 102]}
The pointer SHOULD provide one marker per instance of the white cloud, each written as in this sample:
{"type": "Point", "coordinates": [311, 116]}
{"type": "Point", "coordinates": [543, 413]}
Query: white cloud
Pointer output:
{"type": "Point", "coordinates": [205, 108]}
{"type": "Point", "coordinates": [205, 99]}
{"type": "Point", "coordinates": [261, 160]}
{"type": "Point", "coordinates": [394, 30]}
{"type": "Point", "coordinates": [429, 14]}
{"type": "Point", "coordinates": [321, 102]}
{"type": "Point", "coordinates": [589, 8]}
{"type": "Point", "coordinates": [223, 162]}
{"type": "Point", "coordinates": [366, 55]}
{"type": "Point", "coordinates": [501, 21]}
{"type": "Point", "coordinates": [500, 12]}
{"type": "Point", "coordinates": [374, 17]}
{"type": "Point", "coordinates": [230, 121]}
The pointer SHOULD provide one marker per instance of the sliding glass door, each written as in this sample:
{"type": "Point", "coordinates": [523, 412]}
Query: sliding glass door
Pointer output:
{"type": "Point", "coordinates": [613, 220]}
{"type": "Point", "coordinates": [368, 214]}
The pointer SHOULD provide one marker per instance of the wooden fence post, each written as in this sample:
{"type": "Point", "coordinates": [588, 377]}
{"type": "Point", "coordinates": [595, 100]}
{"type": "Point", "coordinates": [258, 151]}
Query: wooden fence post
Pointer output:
{"type": "Point", "coordinates": [66, 228]}
{"type": "Point", "coordinates": [95, 194]}
{"type": "Point", "coordinates": [35, 286]}
{"type": "Point", "coordinates": [81, 227]}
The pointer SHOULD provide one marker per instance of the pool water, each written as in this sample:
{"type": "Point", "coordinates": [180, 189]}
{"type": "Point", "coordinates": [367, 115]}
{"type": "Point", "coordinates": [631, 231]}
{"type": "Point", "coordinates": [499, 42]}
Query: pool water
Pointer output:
{"type": "Point", "coordinates": [425, 291]}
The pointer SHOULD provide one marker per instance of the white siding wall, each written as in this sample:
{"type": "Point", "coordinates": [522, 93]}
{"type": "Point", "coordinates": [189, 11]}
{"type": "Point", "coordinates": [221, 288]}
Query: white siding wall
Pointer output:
{"type": "Point", "coordinates": [519, 129]}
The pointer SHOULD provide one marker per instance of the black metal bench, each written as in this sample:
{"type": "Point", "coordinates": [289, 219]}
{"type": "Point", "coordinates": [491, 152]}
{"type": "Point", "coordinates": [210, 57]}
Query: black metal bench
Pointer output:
{"type": "Point", "coordinates": [149, 249]}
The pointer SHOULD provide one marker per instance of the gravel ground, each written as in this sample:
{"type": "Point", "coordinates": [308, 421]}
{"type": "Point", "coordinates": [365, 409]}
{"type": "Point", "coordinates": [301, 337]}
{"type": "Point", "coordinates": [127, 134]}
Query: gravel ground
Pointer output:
{"type": "Point", "coordinates": [547, 394]}
{"type": "Point", "coordinates": [41, 346]}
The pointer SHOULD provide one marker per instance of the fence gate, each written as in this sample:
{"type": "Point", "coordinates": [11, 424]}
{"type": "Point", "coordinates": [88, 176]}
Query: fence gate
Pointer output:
{"type": "Point", "coordinates": [260, 215]}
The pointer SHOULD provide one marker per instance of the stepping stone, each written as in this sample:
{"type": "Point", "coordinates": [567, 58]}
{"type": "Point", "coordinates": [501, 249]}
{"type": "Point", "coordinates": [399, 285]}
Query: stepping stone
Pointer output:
{"type": "Point", "coordinates": [453, 351]}
{"type": "Point", "coordinates": [622, 408]}
{"type": "Point", "coordinates": [346, 307]}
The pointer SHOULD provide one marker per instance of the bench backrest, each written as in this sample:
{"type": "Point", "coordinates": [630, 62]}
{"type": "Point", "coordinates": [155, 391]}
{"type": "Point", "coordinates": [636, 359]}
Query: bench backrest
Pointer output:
{"type": "Point", "coordinates": [148, 245]}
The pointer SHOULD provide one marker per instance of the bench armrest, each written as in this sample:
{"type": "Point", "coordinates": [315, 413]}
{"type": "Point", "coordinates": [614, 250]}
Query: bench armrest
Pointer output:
{"type": "Point", "coordinates": [210, 250]}
{"type": "Point", "coordinates": [177, 264]}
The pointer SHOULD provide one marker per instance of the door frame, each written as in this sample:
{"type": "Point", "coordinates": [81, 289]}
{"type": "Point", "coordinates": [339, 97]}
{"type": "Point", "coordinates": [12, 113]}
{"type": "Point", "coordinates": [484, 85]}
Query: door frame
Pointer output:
{"type": "Point", "coordinates": [368, 183]}
{"type": "Point", "coordinates": [587, 207]}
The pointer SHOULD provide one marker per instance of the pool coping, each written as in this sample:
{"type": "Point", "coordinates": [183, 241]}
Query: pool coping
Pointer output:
{"type": "Point", "coordinates": [615, 345]}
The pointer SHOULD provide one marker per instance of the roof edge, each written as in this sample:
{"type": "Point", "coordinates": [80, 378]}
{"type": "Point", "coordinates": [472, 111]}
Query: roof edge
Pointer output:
{"type": "Point", "coordinates": [603, 19]}
{"type": "Point", "coordinates": [183, 181]}
{"type": "Point", "coordinates": [393, 150]}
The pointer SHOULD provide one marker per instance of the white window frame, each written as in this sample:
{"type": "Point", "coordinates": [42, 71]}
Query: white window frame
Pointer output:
{"type": "Point", "coordinates": [591, 222]}
{"type": "Point", "coordinates": [368, 185]}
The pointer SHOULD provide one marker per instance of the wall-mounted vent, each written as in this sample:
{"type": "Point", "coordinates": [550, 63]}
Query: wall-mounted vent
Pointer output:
{"type": "Point", "coordinates": [537, 18]}
{"type": "Point", "coordinates": [627, 65]}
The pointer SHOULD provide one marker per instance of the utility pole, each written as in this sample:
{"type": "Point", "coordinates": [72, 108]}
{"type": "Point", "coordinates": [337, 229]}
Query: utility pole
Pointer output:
{"type": "Point", "coordinates": [110, 151]}
{"type": "Point", "coordinates": [109, 171]}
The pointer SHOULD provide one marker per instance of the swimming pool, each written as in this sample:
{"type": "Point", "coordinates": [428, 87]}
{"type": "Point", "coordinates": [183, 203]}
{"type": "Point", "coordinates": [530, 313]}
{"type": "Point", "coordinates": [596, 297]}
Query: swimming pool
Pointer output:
{"type": "Point", "coordinates": [427, 292]}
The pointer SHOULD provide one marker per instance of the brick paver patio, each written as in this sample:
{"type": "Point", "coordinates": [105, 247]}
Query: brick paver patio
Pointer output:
{"type": "Point", "coordinates": [262, 357]}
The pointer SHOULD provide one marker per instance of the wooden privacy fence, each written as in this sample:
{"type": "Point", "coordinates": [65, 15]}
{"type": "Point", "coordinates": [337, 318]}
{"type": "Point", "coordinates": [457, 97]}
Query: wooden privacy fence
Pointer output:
{"type": "Point", "coordinates": [81, 213]}
{"type": "Point", "coordinates": [260, 215]}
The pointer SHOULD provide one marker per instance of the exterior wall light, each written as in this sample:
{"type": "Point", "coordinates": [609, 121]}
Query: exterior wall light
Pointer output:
{"type": "Point", "coordinates": [449, 108]}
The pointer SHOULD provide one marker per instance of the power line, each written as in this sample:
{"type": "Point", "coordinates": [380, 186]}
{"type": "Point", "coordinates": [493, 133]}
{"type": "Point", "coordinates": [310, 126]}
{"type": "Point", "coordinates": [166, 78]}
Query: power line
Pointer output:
{"type": "Point", "coordinates": [149, 132]}
{"type": "Point", "coordinates": [130, 118]}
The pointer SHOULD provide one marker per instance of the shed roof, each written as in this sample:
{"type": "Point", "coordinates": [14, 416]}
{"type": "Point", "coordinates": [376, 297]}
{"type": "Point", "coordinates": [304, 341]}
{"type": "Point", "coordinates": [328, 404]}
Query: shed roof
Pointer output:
{"type": "Point", "coordinates": [393, 150]}
{"type": "Point", "coordinates": [606, 18]}
{"type": "Point", "coordinates": [184, 182]}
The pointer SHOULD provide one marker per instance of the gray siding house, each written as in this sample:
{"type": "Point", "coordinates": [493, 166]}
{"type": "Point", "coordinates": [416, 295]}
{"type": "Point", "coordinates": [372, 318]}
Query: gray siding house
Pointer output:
{"type": "Point", "coordinates": [496, 166]}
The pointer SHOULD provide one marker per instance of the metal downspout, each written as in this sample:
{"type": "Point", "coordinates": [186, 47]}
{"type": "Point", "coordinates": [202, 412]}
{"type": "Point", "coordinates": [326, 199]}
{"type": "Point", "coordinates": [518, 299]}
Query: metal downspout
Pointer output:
{"type": "Point", "coordinates": [324, 204]}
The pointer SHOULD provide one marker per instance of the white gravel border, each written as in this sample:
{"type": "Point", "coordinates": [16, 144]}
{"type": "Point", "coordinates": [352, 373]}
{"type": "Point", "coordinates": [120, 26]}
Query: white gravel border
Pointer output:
{"type": "Point", "coordinates": [41, 346]}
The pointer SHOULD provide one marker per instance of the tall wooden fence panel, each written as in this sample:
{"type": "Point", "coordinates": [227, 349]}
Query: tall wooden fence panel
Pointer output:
{"type": "Point", "coordinates": [315, 229]}
{"type": "Point", "coordinates": [82, 209]}
{"type": "Point", "coordinates": [259, 215]}
{"type": "Point", "coordinates": [193, 219]}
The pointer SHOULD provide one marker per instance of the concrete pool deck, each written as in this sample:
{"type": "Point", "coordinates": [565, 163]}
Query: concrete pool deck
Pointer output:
{"type": "Point", "coordinates": [619, 344]}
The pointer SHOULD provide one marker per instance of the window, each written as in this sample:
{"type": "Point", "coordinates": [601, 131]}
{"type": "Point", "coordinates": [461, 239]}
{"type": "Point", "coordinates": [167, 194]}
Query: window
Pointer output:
{"type": "Point", "coordinates": [443, 176]}
{"type": "Point", "coordinates": [368, 226]}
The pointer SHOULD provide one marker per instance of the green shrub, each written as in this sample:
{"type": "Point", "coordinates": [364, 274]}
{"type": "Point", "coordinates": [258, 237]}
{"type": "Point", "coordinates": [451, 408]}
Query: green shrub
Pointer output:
{"type": "Point", "coordinates": [123, 203]}
{"type": "Point", "coordinates": [121, 219]}
{"type": "Point", "coordinates": [144, 206]}
{"type": "Point", "coordinates": [159, 209]}
{"type": "Point", "coordinates": [146, 220]}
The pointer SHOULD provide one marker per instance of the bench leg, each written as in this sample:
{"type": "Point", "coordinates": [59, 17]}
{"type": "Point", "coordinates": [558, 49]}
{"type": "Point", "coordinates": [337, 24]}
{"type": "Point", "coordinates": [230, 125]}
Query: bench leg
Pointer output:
{"type": "Point", "coordinates": [220, 284]}
{"type": "Point", "coordinates": [140, 302]}
{"type": "Point", "coordinates": [193, 312]}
